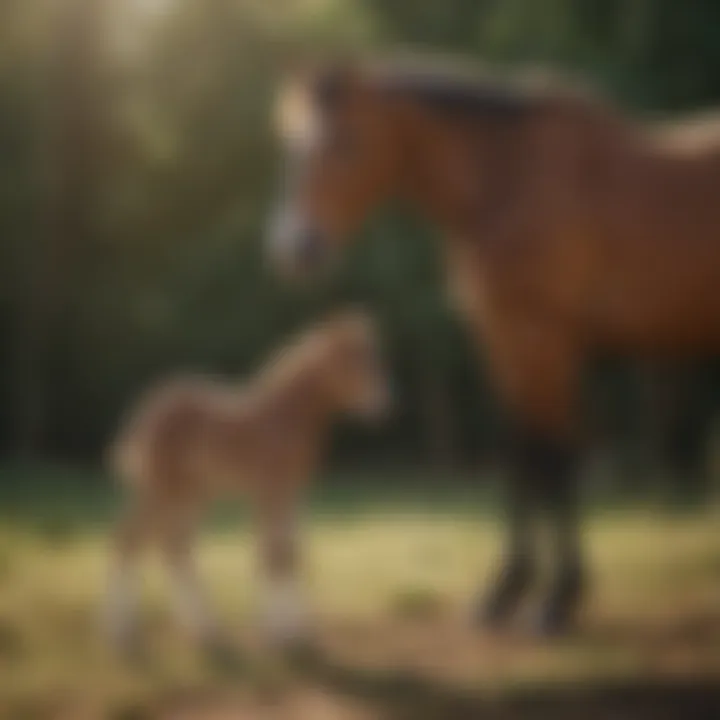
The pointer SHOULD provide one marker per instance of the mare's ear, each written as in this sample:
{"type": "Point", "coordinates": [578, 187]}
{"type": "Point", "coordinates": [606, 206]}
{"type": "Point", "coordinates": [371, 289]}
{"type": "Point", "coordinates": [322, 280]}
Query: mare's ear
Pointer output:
{"type": "Point", "coordinates": [312, 87]}
{"type": "Point", "coordinates": [334, 79]}
{"type": "Point", "coordinates": [291, 60]}
{"type": "Point", "coordinates": [298, 61]}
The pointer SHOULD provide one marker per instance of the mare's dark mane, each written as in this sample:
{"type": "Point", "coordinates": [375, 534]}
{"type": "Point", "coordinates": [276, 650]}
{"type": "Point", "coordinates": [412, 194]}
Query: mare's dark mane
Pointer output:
{"type": "Point", "coordinates": [457, 94]}
{"type": "Point", "coordinates": [459, 90]}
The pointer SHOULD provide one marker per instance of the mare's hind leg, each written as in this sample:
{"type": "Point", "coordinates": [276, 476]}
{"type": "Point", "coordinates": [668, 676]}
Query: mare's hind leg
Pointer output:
{"type": "Point", "coordinates": [518, 566]}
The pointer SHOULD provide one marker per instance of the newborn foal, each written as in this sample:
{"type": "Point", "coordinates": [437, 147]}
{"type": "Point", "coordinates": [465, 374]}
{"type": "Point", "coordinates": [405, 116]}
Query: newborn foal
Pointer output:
{"type": "Point", "coordinates": [194, 439]}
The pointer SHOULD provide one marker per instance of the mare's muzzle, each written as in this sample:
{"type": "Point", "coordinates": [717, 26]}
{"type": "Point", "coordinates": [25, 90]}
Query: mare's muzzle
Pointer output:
{"type": "Point", "coordinates": [296, 248]}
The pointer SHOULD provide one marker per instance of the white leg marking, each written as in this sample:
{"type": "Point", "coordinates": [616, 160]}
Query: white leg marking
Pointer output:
{"type": "Point", "coordinates": [190, 603]}
{"type": "Point", "coordinates": [286, 614]}
{"type": "Point", "coordinates": [121, 604]}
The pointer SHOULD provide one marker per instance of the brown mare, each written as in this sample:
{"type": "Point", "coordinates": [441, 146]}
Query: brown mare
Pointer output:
{"type": "Point", "coordinates": [191, 440]}
{"type": "Point", "coordinates": [569, 229]}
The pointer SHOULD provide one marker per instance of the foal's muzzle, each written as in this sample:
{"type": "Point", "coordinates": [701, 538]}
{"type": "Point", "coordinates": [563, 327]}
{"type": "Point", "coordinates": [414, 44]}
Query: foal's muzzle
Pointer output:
{"type": "Point", "coordinates": [378, 405]}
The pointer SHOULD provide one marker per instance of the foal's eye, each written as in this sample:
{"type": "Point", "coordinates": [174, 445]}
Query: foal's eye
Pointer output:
{"type": "Point", "coordinates": [364, 358]}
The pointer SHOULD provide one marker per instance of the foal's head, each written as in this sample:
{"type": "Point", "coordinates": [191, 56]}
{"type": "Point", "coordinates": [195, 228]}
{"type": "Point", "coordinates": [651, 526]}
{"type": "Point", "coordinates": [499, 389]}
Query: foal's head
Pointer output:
{"type": "Point", "coordinates": [341, 160]}
{"type": "Point", "coordinates": [349, 365]}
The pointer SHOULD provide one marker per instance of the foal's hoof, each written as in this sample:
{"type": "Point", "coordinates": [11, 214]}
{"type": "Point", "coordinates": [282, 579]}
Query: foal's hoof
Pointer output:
{"type": "Point", "coordinates": [130, 651]}
{"type": "Point", "coordinates": [223, 656]}
{"type": "Point", "coordinates": [288, 631]}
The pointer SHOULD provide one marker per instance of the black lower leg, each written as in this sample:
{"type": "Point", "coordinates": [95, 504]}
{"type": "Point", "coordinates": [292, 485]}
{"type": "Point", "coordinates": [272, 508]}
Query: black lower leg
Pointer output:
{"type": "Point", "coordinates": [518, 568]}
{"type": "Point", "coordinates": [516, 572]}
{"type": "Point", "coordinates": [560, 495]}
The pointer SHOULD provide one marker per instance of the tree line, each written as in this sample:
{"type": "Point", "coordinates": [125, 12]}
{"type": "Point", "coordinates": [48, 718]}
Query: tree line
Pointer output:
{"type": "Point", "coordinates": [138, 168]}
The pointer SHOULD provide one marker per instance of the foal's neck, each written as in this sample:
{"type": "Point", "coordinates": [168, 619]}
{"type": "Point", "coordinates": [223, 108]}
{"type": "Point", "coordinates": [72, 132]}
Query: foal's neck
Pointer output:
{"type": "Point", "coordinates": [296, 390]}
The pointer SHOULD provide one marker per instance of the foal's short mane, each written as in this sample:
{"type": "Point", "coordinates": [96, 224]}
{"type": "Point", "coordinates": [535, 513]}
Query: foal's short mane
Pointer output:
{"type": "Point", "coordinates": [288, 362]}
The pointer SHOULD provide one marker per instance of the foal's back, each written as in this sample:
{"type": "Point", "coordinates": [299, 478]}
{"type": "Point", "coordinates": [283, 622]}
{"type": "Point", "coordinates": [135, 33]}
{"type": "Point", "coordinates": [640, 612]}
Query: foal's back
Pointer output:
{"type": "Point", "coordinates": [191, 434]}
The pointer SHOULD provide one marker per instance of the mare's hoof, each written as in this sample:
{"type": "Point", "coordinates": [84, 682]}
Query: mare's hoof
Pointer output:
{"type": "Point", "coordinates": [302, 654]}
{"type": "Point", "coordinates": [557, 615]}
{"type": "Point", "coordinates": [549, 623]}
{"type": "Point", "coordinates": [510, 587]}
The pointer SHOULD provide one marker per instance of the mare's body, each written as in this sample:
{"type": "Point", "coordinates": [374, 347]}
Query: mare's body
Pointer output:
{"type": "Point", "coordinates": [569, 229]}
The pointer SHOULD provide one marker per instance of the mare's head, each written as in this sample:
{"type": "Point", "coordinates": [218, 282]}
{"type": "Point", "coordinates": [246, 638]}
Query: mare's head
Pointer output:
{"type": "Point", "coordinates": [341, 161]}
{"type": "Point", "coordinates": [356, 135]}
{"type": "Point", "coordinates": [351, 368]}
{"type": "Point", "coordinates": [451, 138]}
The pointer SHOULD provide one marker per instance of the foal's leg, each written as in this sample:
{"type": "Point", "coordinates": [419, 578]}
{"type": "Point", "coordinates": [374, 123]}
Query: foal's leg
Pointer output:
{"type": "Point", "coordinates": [285, 614]}
{"type": "Point", "coordinates": [191, 605]}
{"type": "Point", "coordinates": [130, 539]}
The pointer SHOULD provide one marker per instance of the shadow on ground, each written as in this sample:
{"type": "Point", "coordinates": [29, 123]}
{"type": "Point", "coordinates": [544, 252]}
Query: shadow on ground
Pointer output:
{"type": "Point", "coordinates": [404, 696]}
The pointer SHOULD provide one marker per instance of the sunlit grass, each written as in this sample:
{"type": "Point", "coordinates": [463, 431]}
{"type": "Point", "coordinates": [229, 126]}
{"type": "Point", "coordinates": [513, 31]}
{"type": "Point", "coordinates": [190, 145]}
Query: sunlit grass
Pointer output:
{"type": "Point", "coordinates": [391, 591]}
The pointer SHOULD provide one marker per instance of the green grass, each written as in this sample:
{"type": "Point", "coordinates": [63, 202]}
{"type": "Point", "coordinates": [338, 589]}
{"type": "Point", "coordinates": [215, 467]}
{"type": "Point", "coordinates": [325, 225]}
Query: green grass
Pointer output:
{"type": "Point", "coordinates": [390, 581]}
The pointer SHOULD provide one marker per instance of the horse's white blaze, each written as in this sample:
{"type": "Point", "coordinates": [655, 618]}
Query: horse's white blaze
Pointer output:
{"type": "Point", "coordinates": [285, 229]}
{"type": "Point", "coordinates": [298, 121]}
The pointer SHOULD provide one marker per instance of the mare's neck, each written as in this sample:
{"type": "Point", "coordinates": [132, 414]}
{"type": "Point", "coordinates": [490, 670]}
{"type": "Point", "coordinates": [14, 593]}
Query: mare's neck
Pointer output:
{"type": "Point", "coordinates": [456, 171]}
{"type": "Point", "coordinates": [440, 169]}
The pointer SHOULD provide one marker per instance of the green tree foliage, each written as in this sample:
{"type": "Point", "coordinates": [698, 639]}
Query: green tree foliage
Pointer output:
{"type": "Point", "coordinates": [138, 169]}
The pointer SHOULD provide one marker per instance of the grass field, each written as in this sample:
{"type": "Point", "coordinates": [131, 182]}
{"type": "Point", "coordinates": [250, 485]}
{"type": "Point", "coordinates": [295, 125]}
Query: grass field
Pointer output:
{"type": "Point", "coordinates": [391, 586]}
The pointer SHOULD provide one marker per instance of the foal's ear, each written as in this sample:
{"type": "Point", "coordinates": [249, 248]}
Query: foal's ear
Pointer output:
{"type": "Point", "coordinates": [352, 319]}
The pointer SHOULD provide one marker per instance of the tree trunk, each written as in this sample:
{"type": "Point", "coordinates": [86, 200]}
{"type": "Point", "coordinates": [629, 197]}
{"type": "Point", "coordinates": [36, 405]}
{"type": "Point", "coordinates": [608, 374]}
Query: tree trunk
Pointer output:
{"type": "Point", "coordinates": [66, 167]}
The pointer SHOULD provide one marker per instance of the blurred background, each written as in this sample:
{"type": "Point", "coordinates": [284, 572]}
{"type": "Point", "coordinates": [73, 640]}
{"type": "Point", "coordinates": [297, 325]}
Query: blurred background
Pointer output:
{"type": "Point", "coordinates": [137, 170]}
{"type": "Point", "coordinates": [137, 173]}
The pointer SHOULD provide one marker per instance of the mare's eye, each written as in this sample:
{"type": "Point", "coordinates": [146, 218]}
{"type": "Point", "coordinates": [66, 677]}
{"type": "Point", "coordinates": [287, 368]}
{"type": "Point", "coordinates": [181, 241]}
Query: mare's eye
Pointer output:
{"type": "Point", "coordinates": [340, 144]}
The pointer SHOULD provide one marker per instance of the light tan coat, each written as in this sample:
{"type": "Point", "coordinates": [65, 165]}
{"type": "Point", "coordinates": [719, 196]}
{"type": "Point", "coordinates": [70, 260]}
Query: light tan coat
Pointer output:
{"type": "Point", "coordinates": [193, 439]}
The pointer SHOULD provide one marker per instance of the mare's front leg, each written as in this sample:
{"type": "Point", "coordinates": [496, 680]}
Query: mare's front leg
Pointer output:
{"type": "Point", "coordinates": [518, 566]}
{"type": "Point", "coordinates": [528, 456]}
{"type": "Point", "coordinates": [537, 372]}
{"type": "Point", "coordinates": [560, 496]}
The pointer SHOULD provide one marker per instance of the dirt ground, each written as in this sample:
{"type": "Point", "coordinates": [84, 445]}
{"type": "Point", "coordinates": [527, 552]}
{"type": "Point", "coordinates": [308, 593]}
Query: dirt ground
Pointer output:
{"type": "Point", "coordinates": [393, 638]}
